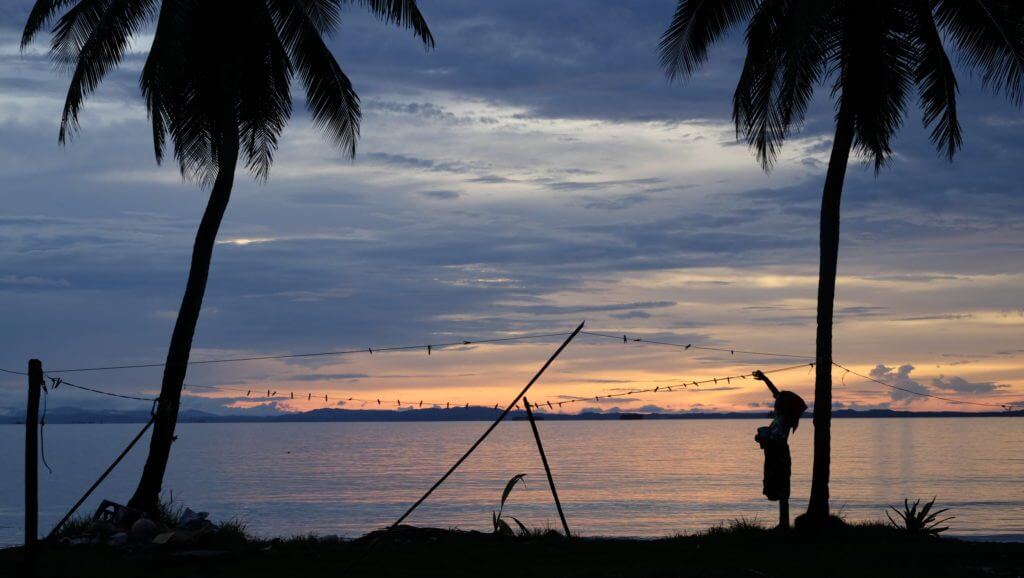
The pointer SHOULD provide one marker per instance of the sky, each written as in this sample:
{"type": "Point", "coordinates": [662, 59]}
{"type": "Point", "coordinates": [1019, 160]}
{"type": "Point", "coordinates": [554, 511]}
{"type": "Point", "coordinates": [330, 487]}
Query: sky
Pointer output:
{"type": "Point", "coordinates": [533, 171]}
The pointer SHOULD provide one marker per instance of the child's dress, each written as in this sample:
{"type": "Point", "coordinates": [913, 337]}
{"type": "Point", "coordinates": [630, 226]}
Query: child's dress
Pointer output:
{"type": "Point", "coordinates": [774, 440]}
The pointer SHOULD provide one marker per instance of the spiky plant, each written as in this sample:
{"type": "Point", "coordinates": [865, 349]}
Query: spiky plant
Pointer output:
{"type": "Point", "coordinates": [919, 521]}
{"type": "Point", "coordinates": [501, 527]}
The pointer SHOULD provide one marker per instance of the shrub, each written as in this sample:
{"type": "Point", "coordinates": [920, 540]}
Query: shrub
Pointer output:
{"type": "Point", "coordinates": [915, 521]}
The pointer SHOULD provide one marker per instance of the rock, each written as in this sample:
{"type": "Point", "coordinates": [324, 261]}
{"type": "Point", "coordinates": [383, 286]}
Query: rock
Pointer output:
{"type": "Point", "coordinates": [191, 520]}
{"type": "Point", "coordinates": [118, 539]}
{"type": "Point", "coordinates": [163, 538]}
{"type": "Point", "coordinates": [144, 529]}
{"type": "Point", "coordinates": [104, 529]}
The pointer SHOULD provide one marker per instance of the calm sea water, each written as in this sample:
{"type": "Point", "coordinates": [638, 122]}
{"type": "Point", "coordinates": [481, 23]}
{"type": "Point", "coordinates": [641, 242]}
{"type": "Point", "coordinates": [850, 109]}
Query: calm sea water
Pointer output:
{"type": "Point", "coordinates": [638, 478]}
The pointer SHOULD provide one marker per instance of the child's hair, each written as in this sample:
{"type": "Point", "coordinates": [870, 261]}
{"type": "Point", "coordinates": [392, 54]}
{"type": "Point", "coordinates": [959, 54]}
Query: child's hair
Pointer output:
{"type": "Point", "coordinates": [790, 407]}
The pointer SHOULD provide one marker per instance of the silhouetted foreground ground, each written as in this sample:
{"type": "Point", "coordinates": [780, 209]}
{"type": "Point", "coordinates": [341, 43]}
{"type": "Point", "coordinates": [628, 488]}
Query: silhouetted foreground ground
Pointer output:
{"type": "Point", "coordinates": [740, 551]}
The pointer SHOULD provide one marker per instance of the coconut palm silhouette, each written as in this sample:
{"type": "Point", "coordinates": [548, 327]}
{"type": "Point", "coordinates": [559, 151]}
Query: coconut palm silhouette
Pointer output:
{"type": "Point", "coordinates": [217, 85]}
{"type": "Point", "coordinates": [873, 53]}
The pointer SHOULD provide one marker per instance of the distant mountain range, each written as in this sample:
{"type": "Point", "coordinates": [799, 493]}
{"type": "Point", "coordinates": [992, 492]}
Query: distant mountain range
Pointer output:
{"type": "Point", "coordinates": [65, 415]}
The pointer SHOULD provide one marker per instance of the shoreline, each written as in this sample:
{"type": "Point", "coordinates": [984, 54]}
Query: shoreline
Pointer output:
{"type": "Point", "coordinates": [475, 415]}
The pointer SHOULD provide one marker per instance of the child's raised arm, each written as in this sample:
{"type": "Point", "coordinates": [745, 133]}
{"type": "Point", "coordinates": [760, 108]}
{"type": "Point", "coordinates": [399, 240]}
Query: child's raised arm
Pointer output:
{"type": "Point", "coordinates": [760, 376]}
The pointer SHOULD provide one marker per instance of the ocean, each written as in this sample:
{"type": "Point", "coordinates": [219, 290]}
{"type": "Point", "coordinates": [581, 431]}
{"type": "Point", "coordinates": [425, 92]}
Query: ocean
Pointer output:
{"type": "Point", "coordinates": [623, 478]}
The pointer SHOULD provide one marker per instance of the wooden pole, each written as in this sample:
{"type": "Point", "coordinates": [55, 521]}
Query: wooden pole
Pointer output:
{"type": "Point", "coordinates": [35, 385]}
{"type": "Point", "coordinates": [480, 440]}
{"type": "Point", "coordinates": [547, 468]}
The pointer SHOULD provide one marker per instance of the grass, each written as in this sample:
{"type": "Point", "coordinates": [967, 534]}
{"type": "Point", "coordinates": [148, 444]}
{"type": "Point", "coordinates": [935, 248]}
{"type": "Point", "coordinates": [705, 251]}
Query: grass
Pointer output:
{"type": "Point", "coordinates": [743, 548]}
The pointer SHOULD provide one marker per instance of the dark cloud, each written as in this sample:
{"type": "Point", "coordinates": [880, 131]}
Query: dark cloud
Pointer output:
{"type": "Point", "coordinates": [942, 317]}
{"type": "Point", "coordinates": [441, 195]}
{"type": "Point", "coordinates": [590, 185]}
{"type": "Point", "coordinates": [327, 376]}
{"type": "Point", "coordinates": [960, 385]}
{"type": "Point", "coordinates": [563, 310]}
{"type": "Point", "coordinates": [631, 315]}
{"type": "Point", "coordinates": [615, 203]}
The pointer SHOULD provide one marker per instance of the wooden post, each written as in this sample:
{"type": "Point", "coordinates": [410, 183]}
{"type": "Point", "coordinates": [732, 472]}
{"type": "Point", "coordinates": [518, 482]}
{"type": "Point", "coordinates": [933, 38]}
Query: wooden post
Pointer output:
{"type": "Point", "coordinates": [35, 385]}
{"type": "Point", "coordinates": [547, 468]}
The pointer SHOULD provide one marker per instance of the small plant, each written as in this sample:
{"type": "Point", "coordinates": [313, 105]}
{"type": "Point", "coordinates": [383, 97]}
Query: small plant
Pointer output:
{"type": "Point", "coordinates": [915, 521]}
{"type": "Point", "coordinates": [501, 527]}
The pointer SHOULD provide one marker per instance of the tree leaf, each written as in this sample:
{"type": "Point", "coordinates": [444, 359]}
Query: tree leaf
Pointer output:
{"type": "Point", "coordinates": [522, 527]}
{"type": "Point", "coordinates": [511, 484]}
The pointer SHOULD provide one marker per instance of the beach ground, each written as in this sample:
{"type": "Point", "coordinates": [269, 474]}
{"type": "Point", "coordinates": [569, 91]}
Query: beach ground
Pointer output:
{"type": "Point", "coordinates": [740, 550]}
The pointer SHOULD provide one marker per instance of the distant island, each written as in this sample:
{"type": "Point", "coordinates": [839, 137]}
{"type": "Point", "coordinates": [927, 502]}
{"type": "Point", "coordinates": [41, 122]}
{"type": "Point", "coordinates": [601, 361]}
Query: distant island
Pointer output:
{"type": "Point", "coordinates": [65, 415]}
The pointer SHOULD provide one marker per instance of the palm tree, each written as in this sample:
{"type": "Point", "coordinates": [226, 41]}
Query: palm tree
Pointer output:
{"type": "Point", "coordinates": [873, 52]}
{"type": "Point", "coordinates": [217, 83]}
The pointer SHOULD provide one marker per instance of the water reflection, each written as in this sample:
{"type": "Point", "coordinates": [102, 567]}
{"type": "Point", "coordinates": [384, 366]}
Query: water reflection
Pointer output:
{"type": "Point", "coordinates": [645, 478]}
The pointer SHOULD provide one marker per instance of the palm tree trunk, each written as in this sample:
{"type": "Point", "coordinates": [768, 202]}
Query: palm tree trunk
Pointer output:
{"type": "Point", "coordinates": [817, 507]}
{"type": "Point", "coordinates": [147, 494]}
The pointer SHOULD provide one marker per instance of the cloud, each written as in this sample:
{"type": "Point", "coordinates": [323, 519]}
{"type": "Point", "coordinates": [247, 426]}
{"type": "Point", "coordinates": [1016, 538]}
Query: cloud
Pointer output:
{"type": "Point", "coordinates": [32, 281]}
{"type": "Point", "coordinates": [631, 315]}
{"type": "Point", "coordinates": [564, 310]}
{"type": "Point", "coordinates": [327, 376]}
{"type": "Point", "coordinates": [654, 409]}
{"type": "Point", "coordinates": [619, 399]}
{"type": "Point", "coordinates": [615, 203]}
{"type": "Point", "coordinates": [941, 317]}
{"type": "Point", "coordinates": [722, 388]}
{"type": "Point", "coordinates": [900, 377]}
{"type": "Point", "coordinates": [441, 195]}
{"type": "Point", "coordinates": [961, 385]}
{"type": "Point", "coordinates": [536, 167]}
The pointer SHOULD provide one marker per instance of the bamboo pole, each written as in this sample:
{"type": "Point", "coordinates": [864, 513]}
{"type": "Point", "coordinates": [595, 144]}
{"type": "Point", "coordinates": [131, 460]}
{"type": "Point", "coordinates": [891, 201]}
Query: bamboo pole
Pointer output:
{"type": "Point", "coordinates": [547, 468]}
{"type": "Point", "coordinates": [508, 409]}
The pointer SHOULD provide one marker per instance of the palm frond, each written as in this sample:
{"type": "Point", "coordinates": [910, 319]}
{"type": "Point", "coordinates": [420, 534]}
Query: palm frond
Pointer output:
{"type": "Point", "coordinates": [42, 12]}
{"type": "Point", "coordinates": [876, 73]}
{"type": "Point", "coordinates": [695, 26]}
{"type": "Point", "coordinates": [755, 101]}
{"type": "Point", "coordinates": [101, 51]}
{"type": "Point", "coordinates": [264, 94]}
{"type": "Point", "coordinates": [73, 29]}
{"type": "Point", "coordinates": [403, 13]}
{"type": "Point", "coordinates": [217, 79]}
{"type": "Point", "coordinates": [331, 99]}
{"type": "Point", "coordinates": [936, 81]}
{"type": "Point", "coordinates": [155, 72]}
{"type": "Point", "coordinates": [989, 36]}
{"type": "Point", "coordinates": [324, 14]}
{"type": "Point", "coordinates": [806, 39]}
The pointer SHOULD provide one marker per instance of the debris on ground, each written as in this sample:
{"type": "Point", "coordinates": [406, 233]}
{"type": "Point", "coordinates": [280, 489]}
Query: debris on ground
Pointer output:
{"type": "Point", "coordinates": [118, 526]}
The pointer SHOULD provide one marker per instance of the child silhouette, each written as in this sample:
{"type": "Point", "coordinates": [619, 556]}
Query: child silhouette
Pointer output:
{"type": "Point", "coordinates": [774, 440]}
